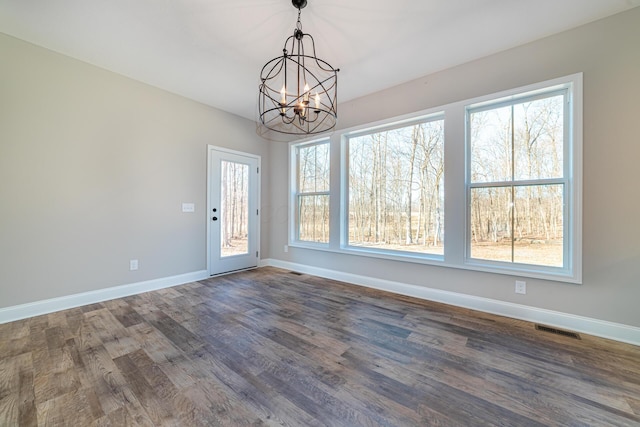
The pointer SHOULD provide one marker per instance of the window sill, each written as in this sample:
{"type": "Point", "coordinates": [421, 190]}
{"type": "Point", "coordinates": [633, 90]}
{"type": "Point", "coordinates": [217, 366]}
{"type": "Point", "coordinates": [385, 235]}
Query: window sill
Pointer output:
{"type": "Point", "coordinates": [522, 270]}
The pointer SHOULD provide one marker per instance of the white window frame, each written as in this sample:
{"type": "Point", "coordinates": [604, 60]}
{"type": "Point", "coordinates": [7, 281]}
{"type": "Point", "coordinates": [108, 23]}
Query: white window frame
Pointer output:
{"type": "Point", "coordinates": [571, 271]}
{"type": "Point", "coordinates": [295, 194]}
{"type": "Point", "coordinates": [422, 117]}
{"type": "Point", "coordinates": [456, 206]}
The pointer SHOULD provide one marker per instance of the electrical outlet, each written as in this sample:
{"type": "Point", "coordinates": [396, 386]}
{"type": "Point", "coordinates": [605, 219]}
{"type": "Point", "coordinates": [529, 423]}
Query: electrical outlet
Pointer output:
{"type": "Point", "coordinates": [286, 248]}
{"type": "Point", "coordinates": [133, 264]}
{"type": "Point", "coordinates": [521, 287]}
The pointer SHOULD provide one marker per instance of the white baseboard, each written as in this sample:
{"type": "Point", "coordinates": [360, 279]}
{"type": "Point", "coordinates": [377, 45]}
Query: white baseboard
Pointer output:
{"type": "Point", "coordinates": [265, 262]}
{"type": "Point", "coordinates": [23, 311]}
{"type": "Point", "coordinates": [586, 325]}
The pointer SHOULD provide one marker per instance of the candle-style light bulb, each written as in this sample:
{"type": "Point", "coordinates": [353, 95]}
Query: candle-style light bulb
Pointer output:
{"type": "Point", "coordinates": [283, 95]}
{"type": "Point", "coordinates": [305, 97]}
{"type": "Point", "coordinates": [317, 100]}
{"type": "Point", "coordinates": [300, 109]}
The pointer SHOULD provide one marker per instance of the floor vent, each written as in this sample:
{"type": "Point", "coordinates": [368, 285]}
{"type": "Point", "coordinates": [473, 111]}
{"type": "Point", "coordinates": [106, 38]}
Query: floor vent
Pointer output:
{"type": "Point", "coordinates": [295, 273]}
{"type": "Point", "coordinates": [558, 331]}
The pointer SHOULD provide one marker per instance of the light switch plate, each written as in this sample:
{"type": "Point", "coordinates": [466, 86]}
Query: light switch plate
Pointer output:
{"type": "Point", "coordinates": [188, 207]}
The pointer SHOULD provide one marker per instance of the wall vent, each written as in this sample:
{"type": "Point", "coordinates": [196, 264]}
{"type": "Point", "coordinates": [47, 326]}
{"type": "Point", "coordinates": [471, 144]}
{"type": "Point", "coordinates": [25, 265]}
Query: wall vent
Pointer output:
{"type": "Point", "coordinates": [295, 273]}
{"type": "Point", "coordinates": [558, 331]}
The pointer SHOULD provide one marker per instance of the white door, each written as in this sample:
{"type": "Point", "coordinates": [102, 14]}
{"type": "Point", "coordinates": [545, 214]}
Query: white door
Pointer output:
{"type": "Point", "coordinates": [233, 210]}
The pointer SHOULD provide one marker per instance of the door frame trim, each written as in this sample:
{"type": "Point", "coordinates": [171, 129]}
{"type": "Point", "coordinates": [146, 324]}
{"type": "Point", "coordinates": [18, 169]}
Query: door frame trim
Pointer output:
{"type": "Point", "coordinates": [258, 158]}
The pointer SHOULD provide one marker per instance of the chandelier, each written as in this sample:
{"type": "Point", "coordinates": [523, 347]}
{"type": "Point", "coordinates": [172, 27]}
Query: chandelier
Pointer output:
{"type": "Point", "coordinates": [298, 91]}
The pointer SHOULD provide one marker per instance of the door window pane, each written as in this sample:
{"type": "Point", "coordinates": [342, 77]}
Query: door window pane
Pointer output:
{"type": "Point", "coordinates": [234, 211]}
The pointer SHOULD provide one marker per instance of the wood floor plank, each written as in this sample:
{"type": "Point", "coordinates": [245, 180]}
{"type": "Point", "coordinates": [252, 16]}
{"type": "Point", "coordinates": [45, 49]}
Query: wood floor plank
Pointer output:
{"type": "Point", "coordinates": [267, 347]}
{"type": "Point", "coordinates": [220, 405]}
{"type": "Point", "coordinates": [26, 398]}
{"type": "Point", "coordinates": [113, 336]}
{"type": "Point", "coordinates": [9, 410]}
{"type": "Point", "coordinates": [144, 392]}
{"type": "Point", "coordinates": [634, 403]}
{"type": "Point", "coordinates": [259, 396]}
{"type": "Point", "coordinates": [321, 339]}
{"type": "Point", "coordinates": [549, 373]}
{"type": "Point", "coordinates": [123, 311]}
{"type": "Point", "coordinates": [180, 336]}
{"type": "Point", "coordinates": [102, 374]}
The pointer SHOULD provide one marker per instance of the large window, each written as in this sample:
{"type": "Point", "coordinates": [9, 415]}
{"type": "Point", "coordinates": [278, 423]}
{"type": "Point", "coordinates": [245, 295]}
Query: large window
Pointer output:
{"type": "Point", "coordinates": [312, 192]}
{"type": "Point", "coordinates": [502, 173]}
{"type": "Point", "coordinates": [517, 179]}
{"type": "Point", "coordinates": [396, 192]}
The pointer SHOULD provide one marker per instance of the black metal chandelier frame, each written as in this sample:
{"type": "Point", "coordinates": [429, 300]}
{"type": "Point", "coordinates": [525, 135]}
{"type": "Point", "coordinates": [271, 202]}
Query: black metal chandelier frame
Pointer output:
{"type": "Point", "coordinates": [312, 107]}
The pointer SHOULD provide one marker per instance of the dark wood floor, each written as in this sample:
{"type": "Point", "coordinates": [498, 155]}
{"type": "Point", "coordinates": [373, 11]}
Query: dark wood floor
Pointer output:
{"type": "Point", "coordinates": [268, 347]}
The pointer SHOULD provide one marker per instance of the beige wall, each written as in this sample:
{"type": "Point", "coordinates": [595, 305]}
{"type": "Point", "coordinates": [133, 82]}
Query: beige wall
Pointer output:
{"type": "Point", "coordinates": [607, 53]}
{"type": "Point", "coordinates": [93, 170]}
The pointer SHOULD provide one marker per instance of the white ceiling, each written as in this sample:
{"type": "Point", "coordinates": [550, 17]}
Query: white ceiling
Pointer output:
{"type": "Point", "coordinates": [212, 51]}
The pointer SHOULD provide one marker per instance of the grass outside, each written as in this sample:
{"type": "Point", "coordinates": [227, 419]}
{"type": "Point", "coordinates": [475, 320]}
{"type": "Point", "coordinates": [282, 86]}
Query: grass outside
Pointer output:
{"type": "Point", "coordinates": [535, 252]}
